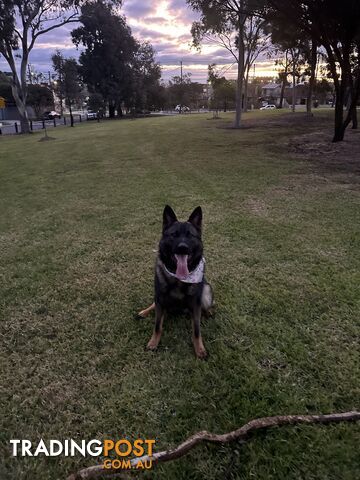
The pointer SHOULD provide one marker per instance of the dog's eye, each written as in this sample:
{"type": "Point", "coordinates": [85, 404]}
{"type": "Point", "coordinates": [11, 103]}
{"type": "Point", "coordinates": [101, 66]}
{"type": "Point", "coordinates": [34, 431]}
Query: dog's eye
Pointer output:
{"type": "Point", "coordinates": [174, 234]}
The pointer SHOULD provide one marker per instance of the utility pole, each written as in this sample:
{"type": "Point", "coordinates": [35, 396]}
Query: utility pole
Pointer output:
{"type": "Point", "coordinates": [181, 86]}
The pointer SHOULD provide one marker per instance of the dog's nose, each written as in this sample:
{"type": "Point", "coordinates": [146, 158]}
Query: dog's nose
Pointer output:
{"type": "Point", "coordinates": [182, 249]}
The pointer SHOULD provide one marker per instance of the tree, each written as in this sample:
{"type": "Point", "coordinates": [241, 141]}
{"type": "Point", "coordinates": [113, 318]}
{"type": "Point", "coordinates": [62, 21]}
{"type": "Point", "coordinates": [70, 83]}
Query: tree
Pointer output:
{"type": "Point", "coordinates": [295, 45]}
{"type": "Point", "coordinates": [96, 103]}
{"type": "Point", "coordinates": [300, 50]}
{"type": "Point", "coordinates": [40, 98]}
{"type": "Point", "coordinates": [256, 42]}
{"type": "Point", "coordinates": [222, 18]}
{"type": "Point", "coordinates": [223, 90]}
{"type": "Point", "coordinates": [194, 93]}
{"type": "Point", "coordinates": [145, 78]}
{"type": "Point", "coordinates": [68, 82]}
{"type": "Point", "coordinates": [182, 91]}
{"type": "Point", "coordinates": [284, 63]}
{"type": "Point", "coordinates": [312, 57]}
{"type": "Point", "coordinates": [107, 61]}
{"type": "Point", "coordinates": [22, 23]}
{"type": "Point", "coordinates": [323, 90]}
{"type": "Point", "coordinates": [336, 26]}
{"type": "Point", "coordinates": [177, 89]}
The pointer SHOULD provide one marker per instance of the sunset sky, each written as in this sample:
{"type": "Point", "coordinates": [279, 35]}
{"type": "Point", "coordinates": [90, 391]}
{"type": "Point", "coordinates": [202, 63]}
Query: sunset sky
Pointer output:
{"type": "Point", "coordinates": [166, 24]}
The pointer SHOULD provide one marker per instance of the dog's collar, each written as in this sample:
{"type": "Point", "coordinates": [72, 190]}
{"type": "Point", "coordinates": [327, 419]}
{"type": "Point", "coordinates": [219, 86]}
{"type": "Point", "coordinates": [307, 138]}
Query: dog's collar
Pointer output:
{"type": "Point", "coordinates": [196, 276]}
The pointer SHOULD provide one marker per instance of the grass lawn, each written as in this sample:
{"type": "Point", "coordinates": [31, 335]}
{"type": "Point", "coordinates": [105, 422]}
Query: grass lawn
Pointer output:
{"type": "Point", "coordinates": [80, 220]}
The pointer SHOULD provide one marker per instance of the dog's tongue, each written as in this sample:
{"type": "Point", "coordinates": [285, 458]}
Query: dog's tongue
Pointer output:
{"type": "Point", "coordinates": [182, 271]}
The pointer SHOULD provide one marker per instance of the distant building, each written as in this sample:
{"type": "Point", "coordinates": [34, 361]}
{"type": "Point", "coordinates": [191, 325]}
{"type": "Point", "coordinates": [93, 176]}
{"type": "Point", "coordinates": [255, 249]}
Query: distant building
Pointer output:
{"type": "Point", "coordinates": [254, 93]}
{"type": "Point", "coordinates": [10, 112]}
{"type": "Point", "coordinates": [301, 93]}
{"type": "Point", "coordinates": [271, 92]}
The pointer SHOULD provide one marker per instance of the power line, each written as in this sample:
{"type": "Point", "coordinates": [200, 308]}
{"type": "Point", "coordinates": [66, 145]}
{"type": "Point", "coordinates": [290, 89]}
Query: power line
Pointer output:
{"type": "Point", "coordinates": [222, 71]}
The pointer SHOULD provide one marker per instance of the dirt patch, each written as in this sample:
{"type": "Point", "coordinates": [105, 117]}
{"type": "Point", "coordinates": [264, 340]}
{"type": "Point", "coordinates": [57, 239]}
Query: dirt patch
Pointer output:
{"type": "Point", "coordinates": [323, 167]}
{"type": "Point", "coordinates": [299, 120]}
{"type": "Point", "coordinates": [327, 157]}
{"type": "Point", "coordinates": [257, 206]}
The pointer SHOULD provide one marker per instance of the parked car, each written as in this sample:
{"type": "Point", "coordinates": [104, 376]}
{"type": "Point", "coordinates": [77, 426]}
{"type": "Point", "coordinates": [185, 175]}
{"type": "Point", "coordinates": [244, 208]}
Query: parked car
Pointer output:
{"type": "Point", "coordinates": [183, 108]}
{"type": "Point", "coordinates": [50, 115]}
{"type": "Point", "coordinates": [268, 107]}
{"type": "Point", "coordinates": [91, 115]}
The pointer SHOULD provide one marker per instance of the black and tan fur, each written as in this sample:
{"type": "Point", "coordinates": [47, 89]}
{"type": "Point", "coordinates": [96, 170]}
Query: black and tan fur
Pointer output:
{"type": "Point", "coordinates": [172, 294]}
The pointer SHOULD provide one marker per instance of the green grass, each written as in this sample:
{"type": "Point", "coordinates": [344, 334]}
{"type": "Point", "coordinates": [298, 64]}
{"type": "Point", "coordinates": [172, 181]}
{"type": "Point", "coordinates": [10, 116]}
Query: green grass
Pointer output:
{"type": "Point", "coordinates": [80, 219]}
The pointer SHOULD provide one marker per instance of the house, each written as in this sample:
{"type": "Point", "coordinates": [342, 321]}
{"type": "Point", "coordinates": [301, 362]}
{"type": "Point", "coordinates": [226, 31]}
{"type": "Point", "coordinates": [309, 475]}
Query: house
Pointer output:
{"type": "Point", "coordinates": [10, 112]}
{"type": "Point", "coordinates": [254, 94]}
{"type": "Point", "coordinates": [271, 92]}
{"type": "Point", "coordinates": [301, 93]}
{"type": "Point", "coordinates": [40, 98]}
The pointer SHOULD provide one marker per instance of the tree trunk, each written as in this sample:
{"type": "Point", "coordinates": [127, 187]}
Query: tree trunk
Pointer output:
{"type": "Point", "coordinates": [339, 115]}
{"type": "Point", "coordinates": [282, 91]}
{"type": "Point", "coordinates": [354, 119]}
{"type": "Point", "coordinates": [354, 93]}
{"type": "Point", "coordinates": [21, 106]}
{"type": "Point", "coordinates": [19, 91]}
{"type": "Point", "coordinates": [22, 87]}
{"type": "Point", "coordinates": [111, 110]}
{"type": "Point", "coordinates": [340, 88]}
{"type": "Point", "coordinates": [313, 62]}
{"type": "Point", "coordinates": [246, 80]}
{"type": "Point", "coordinates": [25, 123]}
{"type": "Point", "coordinates": [293, 84]}
{"type": "Point", "coordinates": [351, 111]}
{"type": "Point", "coordinates": [71, 115]}
{"type": "Point", "coordinates": [240, 73]}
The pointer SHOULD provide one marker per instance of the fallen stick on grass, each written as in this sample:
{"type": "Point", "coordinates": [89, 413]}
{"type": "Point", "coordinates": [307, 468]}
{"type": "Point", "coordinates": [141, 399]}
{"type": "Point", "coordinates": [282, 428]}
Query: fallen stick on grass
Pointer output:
{"type": "Point", "coordinates": [204, 436]}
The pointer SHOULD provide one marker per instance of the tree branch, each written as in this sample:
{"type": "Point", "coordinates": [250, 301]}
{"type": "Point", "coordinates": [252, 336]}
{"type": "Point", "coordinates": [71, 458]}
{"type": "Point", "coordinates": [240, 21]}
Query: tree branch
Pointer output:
{"type": "Point", "coordinates": [224, 41]}
{"type": "Point", "coordinates": [71, 19]}
{"type": "Point", "coordinates": [240, 434]}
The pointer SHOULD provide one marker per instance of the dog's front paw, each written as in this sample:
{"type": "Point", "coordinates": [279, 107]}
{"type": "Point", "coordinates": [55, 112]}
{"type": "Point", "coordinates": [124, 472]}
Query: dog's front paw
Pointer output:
{"type": "Point", "coordinates": [201, 354]}
{"type": "Point", "coordinates": [153, 343]}
{"type": "Point", "coordinates": [199, 348]}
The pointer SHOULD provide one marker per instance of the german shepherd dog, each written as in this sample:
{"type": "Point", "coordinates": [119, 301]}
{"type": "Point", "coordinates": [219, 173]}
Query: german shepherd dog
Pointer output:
{"type": "Point", "coordinates": [179, 276]}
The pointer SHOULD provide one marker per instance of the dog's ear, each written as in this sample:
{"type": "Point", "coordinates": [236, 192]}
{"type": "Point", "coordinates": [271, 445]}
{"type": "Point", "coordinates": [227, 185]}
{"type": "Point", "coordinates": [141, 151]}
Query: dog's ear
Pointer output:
{"type": "Point", "coordinates": [196, 218]}
{"type": "Point", "coordinates": [169, 217]}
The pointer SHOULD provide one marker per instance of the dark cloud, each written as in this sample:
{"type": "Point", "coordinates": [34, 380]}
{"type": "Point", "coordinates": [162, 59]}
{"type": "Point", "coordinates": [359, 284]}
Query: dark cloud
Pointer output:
{"type": "Point", "coordinates": [144, 33]}
{"type": "Point", "coordinates": [173, 57]}
{"type": "Point", "coordinates": [169, 35]}
{"type": "Point", "coordinates": [138, 9]}
{"type": "Point", "coordinates": [181, 9]}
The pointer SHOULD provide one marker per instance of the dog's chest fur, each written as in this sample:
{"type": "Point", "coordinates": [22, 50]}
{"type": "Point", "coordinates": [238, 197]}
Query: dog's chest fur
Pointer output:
{"type": "Point", "coordinates": [172, 291]}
